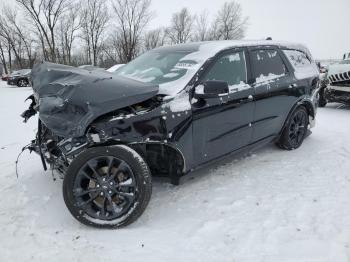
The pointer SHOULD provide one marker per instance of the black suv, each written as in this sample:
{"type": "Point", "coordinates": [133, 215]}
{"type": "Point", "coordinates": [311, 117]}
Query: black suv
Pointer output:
{"type": "Point", "coordinates": [20, 78]}
{"type": "Point", "coordinates": [166, 113]}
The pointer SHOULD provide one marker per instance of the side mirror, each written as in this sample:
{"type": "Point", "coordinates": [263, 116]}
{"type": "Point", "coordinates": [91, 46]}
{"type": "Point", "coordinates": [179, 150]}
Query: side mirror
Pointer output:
{"type": "Point", "coordinates": [211, 89]}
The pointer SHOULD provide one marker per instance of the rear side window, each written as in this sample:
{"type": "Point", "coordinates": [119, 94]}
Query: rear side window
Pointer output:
{"type": "Point", "coordinates": [298, 59]}
{"type": "Point", "coordinates": [304, 67]}
{"type": "Point", "coordinates": [230, 68]}
{"type": "Point", "coordinates": [267, 65]}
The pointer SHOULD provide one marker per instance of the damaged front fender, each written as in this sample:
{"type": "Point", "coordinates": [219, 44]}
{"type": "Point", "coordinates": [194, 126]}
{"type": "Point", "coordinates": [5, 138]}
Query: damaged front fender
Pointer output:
{"type": "Point", "coordinates": [69, 99]}
{"type": "Point", "coordinates": [168, 124]}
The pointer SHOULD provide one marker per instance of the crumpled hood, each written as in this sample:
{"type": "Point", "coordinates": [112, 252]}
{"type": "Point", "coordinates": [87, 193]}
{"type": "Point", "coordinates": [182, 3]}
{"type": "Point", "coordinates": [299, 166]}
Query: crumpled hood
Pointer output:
{"type": "Point", "coordinates": [71, 98]}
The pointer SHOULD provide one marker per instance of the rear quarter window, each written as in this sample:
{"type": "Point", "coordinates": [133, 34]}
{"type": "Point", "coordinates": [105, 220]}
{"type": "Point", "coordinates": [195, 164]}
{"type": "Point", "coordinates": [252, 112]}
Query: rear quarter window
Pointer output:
{"type": "Point", "coordinates": [303, 66]}
{"type": "Point", "coordinates": [298, 59]}
{"type": "Point", "coordinates": [267, 65]}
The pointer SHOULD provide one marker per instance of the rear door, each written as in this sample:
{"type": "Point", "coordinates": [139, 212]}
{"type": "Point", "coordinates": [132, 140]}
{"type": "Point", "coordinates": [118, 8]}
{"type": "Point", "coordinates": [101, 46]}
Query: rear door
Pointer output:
{"type": "Point", "coordinates": [223, 124]}
{"type": "Point", "coordinates": [273, 85]}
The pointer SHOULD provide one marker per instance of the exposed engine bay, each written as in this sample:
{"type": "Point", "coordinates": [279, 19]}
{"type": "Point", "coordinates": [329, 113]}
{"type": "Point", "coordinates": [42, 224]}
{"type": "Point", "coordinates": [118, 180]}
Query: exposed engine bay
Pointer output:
{"type": "Point", "coordinates": [58, 151]}
{"type": "Point", "coordinates": [68, 125]}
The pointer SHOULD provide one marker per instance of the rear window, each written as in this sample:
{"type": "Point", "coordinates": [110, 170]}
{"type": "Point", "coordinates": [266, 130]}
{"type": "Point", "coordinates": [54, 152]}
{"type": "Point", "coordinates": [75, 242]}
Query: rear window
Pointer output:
{"type": "Point", "coordinates": [267, 65]}
{"type": "Point", "coordinates": [298, 59]}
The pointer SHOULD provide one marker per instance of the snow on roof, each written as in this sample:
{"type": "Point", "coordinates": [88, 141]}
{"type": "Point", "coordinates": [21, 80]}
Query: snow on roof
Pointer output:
{"type": "Point", "coordinates": [211, 48]}
{"type": "Point", "coordinates": [199, 52]}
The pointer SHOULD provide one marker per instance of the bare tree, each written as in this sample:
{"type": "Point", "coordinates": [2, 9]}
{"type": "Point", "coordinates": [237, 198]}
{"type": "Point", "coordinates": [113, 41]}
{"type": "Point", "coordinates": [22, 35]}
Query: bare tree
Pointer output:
{"type": "Point", "coordinates": [181, 27]}
{"type": "Point", "coordinates": [132, 16]}
{"type": "Point", "coordinates": [14, 44]}
{"type": "Point", "coordinates": [201, 27]}
{"type": "Point", "coordinates": [22, 37]}
{"type": "Point", "coordinates": [229, 22]}
{"type": "Point", "coordinates": [68, 28]}
{"type": "Point", "coordinates": [94, 21]}
{"type": "Point", "coordinates": [154, 38]}
{"type": "Point", "coordinates": [109, 50]}
{"type": "Point", "coordinates": [49, 30]}
{"type": "Point", "coordinates": [2, 55]}
{"type": "Point", "coordinates": [45, 15]}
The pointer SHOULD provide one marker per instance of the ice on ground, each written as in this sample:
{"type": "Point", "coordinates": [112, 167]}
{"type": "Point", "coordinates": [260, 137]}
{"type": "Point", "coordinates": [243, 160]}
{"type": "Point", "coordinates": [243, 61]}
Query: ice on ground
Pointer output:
{"type": "Point", "coordinates": [271, 206]}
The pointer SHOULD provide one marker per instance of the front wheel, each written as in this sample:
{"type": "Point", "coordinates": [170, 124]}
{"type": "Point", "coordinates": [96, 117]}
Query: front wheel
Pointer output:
{"type": "Point", "coordinates": [295, 130]}
{"type": "Point", "coordinates": [107, 187]}
{"type": "Point", "coordinates": [22, 83]}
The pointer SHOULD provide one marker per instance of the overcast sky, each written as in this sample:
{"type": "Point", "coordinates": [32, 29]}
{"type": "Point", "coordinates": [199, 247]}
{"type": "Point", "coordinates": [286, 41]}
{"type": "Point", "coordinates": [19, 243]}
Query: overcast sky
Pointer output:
{"type": "Point", "coordinates": [322, 25]}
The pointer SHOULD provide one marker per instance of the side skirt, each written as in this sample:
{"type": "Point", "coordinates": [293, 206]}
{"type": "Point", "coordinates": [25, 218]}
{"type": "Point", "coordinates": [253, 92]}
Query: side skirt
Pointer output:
{"type": "Point", "coordinates": [239, 152]}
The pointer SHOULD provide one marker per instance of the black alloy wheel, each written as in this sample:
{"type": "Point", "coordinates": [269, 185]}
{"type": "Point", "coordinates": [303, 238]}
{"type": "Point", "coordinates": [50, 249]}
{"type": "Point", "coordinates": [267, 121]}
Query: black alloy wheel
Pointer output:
{"type": "Point", "coordinates": [107, 186]}
{"type": "Point", "coordinates": [22, 83]}
{"type": "Point", "coordinates": [295, 131]}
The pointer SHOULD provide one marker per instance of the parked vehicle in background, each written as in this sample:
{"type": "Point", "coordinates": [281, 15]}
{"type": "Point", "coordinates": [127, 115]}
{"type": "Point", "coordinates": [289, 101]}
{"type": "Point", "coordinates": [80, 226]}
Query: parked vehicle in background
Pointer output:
{"type": "Point", "coordinates": [5, 77]}
{"type": "Point", "coordinates": [20, 78]}
{"type": "Point", "coordinates": [335, 85]}
{"type": "Point", "coordinates": [168, 112]}
{"type": "Point", "coordinates": [346, 56]}
{"type": "Point", "coordinates": [114, 68]}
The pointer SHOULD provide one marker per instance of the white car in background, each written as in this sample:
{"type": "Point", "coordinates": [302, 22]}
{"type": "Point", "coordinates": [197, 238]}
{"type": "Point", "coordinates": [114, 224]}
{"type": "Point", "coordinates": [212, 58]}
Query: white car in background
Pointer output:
{"type": "Point", "coordinates": [337, 86]}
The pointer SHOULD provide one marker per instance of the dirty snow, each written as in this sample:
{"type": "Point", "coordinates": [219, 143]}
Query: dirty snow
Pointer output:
{"type": "Point", "coordinates": [270, 206]}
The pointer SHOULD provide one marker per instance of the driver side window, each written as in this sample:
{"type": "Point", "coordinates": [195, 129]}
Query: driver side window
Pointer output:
{"type": "Point", "coordinates": [230, 68]}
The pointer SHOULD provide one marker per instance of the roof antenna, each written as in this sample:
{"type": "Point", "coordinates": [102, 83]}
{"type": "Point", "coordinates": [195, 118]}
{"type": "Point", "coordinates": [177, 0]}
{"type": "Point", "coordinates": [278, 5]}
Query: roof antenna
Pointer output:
{"type": "Point", "coordinates": [269, 38]}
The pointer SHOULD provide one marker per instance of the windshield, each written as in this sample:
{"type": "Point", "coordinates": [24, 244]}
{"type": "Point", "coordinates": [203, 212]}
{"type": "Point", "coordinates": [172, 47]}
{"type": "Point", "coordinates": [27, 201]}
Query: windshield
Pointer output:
{"type": "Point", "coordinates": [345, 62]}
{"type": "Point", "coordinates": [168, 69]}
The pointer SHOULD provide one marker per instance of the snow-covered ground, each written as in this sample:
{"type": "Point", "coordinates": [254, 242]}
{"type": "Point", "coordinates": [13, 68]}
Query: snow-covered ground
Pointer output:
{"type": "Point", "coordinates": [273, 205]}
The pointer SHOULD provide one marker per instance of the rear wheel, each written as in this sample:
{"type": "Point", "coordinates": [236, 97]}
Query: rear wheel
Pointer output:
{"type": "Point", "coordinates": [295, 130]}
{"type": "Point", "coordinates": [107, 187]}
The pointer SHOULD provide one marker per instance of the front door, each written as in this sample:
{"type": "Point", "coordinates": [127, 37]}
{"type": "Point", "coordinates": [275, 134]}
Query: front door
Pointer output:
{"type": "Point", "coordinates": [223, 124]}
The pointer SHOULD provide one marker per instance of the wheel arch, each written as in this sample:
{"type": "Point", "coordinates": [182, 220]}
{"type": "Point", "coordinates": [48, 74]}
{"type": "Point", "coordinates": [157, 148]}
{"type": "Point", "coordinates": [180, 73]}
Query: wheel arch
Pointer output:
{"type": "Point", "coordinates": [309, 107]}
{"type": "Point", "coordinates": [163, 159]}
{"type": "Point", "coordinates": [304, 103]}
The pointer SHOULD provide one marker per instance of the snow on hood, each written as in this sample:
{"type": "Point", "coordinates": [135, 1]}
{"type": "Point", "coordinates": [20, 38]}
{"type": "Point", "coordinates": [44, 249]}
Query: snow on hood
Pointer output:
{"type": "Point", "coordinates": [338, 69]}
{"type": "Point", "coordinates": [71, 98]}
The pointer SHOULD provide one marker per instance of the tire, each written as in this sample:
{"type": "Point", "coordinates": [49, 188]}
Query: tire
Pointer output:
{"type": "Point", "coordinates": [295, 130]}
{"type": "Point", "coordinates": [322, 101]}
{"type": "Point", "coordinates": [22, 83]}
{"type": "Point", "coordinates": [107, 187]}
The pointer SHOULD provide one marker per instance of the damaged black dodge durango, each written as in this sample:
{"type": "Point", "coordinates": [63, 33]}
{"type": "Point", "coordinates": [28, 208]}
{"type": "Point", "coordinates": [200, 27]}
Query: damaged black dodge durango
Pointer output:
{"type": "Point", "coordinates": [166, 113]}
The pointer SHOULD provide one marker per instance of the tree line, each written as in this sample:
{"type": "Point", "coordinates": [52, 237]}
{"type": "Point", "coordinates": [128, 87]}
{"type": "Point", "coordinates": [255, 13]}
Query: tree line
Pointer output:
{"type": "Point", "coordinates": [102, 33]}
